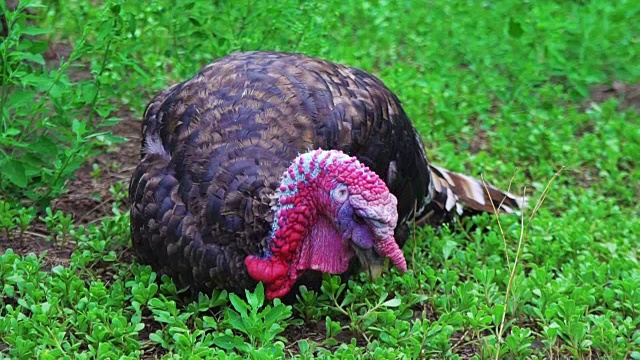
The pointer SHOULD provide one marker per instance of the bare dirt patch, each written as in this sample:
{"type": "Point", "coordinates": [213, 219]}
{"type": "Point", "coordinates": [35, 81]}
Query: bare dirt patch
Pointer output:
{"type": "Point", "coordinates": [464, 346]}
{"type": "Point", "coordinates": [61, 51]}
{"type": "Point", "coordinates": [479, 142]}
{"type": "Point", "coordinates": [627, 94]}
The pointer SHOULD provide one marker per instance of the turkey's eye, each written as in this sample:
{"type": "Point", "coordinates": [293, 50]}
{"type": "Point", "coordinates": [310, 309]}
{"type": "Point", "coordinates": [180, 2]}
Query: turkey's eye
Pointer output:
{"type": "Point", "coordinates": [340, 193]}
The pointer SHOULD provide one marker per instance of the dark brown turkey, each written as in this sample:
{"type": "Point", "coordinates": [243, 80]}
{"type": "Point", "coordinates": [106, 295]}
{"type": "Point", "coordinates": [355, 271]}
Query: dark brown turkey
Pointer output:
{"type": "Point", "coordinates": [278, 167]}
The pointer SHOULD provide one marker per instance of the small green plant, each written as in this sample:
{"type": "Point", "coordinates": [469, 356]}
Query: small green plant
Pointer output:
{"type": "Point", "coordinates": [45, 137]}
{"type": "Point", "coordinates": [261, 326]}
{"type": "Point", "coordinates": [519, 342]}
{"type": "Point", "coordinates": [7, 218]}
{"type": "Point", "coordinates": [118, 192]}
{"type": "Point", "coordinates": [59, 225]}
{"type": "Point", "coordinates": [366, 317]}
{"type": "Point", "coordinates": [307, 305]}
{"type": "Point", "coordinates": [96, 171]}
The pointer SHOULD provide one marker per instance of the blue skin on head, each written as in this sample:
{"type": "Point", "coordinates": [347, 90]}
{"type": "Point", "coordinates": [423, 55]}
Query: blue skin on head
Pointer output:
{"type": "Point", "coordinates": [352, 225]}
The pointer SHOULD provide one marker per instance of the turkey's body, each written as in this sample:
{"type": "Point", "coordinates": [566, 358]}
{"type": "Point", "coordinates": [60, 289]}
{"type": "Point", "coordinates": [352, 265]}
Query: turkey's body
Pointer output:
{"type": "Point", "coordinates": [215, 148]}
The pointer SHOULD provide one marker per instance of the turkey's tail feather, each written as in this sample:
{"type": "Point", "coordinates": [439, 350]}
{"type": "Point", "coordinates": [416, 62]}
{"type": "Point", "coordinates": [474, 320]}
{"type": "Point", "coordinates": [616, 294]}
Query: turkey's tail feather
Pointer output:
{"type": "Point", "coordinates": [455, 193]}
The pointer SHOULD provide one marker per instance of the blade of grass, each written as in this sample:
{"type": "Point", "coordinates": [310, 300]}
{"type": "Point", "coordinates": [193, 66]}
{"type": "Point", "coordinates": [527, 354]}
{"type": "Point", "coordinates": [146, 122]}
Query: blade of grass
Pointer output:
{"type": "Point", "coordinates": [521, 242]}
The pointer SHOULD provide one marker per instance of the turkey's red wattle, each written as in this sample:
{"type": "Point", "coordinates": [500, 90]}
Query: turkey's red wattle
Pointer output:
{"type": "Point", "coordinates": [266, 270]}
{"type": "Point", "coordinates": [278, 271]}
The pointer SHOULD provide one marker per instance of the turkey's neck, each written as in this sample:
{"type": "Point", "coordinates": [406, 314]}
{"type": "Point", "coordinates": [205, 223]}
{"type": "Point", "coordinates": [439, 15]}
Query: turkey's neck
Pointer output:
{"type": "Point", "coordinates": [293, 220]}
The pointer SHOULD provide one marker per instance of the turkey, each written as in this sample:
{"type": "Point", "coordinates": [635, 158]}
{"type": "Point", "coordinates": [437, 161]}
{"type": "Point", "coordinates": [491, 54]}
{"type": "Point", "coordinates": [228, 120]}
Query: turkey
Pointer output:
{"type": "Point", "coordinates": [279, 167]}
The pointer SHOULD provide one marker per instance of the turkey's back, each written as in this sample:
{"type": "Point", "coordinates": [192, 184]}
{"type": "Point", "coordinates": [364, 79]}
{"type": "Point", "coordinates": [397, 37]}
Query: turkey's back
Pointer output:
{"type": "Point", "coordinates": [215, 147]}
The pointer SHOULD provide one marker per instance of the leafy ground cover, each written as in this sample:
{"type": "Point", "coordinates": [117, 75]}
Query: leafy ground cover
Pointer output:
{"type": "Point", "coordinates": [513, 91]}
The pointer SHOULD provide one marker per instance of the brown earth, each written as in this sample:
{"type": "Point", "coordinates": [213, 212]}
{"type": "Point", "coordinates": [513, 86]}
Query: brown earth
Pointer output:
{"type": "Point", "coordinates": [627, 94]}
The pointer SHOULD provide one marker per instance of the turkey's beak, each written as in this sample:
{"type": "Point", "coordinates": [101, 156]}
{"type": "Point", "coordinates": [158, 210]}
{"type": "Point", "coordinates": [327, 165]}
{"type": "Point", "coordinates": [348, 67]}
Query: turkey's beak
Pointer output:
{"type": "Point", "coordinates": [370, 261]}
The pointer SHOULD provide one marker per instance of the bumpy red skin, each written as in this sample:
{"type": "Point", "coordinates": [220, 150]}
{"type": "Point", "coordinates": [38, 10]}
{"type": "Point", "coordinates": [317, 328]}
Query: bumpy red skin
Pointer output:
{"type": "Point", "coordinates": [279, 271]}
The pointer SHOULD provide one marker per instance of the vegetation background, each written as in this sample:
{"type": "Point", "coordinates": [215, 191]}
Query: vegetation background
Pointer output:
{"type": "Point", "coordinates": [503, 89]}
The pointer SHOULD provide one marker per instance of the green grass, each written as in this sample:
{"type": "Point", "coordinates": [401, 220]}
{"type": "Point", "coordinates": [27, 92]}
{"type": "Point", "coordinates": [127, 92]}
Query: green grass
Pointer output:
{"type": "Point", "coordinates": [516, 74]}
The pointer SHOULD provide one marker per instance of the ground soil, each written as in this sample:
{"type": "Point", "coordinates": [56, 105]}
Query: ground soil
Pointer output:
{"type": "Point", "coordinates": [627, 94]}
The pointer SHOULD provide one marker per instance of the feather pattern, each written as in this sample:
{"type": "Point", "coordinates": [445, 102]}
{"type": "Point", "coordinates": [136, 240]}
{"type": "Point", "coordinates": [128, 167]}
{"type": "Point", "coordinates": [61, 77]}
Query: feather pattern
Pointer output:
{"type": "Point", "coordinates": [458, 194]}
{"type": "Point", "coordinates": [215, 148]}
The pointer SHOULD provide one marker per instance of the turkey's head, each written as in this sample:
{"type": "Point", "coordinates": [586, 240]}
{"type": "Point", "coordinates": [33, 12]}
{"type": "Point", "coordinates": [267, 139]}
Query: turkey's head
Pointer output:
{"type": "Point", "coordinates": [331, 208]}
